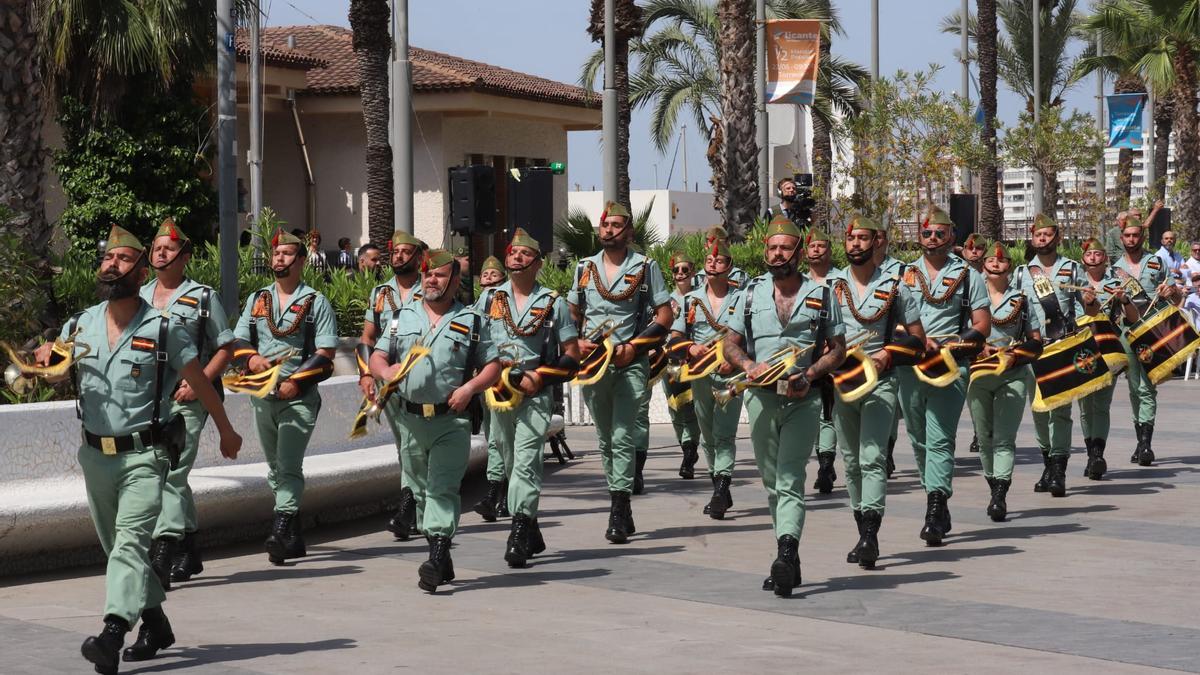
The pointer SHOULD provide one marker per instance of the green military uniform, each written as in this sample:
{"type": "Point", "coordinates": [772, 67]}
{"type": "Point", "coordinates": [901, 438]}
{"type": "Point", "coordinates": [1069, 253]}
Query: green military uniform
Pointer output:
{"type": "Point", "coordinates": [684, 415]}
{"type": "Point", "coordinates": [1143, 395]}
{"type": "Point", "coordinates": [499, 464]}
{"type": "Point", "coordinates": [890, 265]}
{"type": "Point", "coordinates": [931, 413]}
{"type": "Point", "coordinates": [1095, 408]}
{"type": "Point", "coordinates": [125, 463]}
{"type": "Point", "coordinates": [306, 324]}
{"type": "Point", "coordinates": [738, 278]}
{"type": "Point", "coordinates": [826, 447]}
{"type": "Point", "coordinates": [997, 402]}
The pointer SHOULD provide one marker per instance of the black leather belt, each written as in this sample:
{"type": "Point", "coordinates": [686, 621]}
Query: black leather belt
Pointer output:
{"type": "Point", "coordinates": [425, 410]}
{"type": "Point", "coordinates": [111, 445]}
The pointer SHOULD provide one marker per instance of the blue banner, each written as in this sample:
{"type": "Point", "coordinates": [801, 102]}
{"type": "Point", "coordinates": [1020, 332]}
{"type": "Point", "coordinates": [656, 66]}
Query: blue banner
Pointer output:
{"type": "Point", "coordinates": [1125, 120]}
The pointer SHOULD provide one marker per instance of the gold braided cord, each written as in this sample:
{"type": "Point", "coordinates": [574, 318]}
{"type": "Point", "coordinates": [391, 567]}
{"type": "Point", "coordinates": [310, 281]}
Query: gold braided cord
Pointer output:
{"type": "Point", "coordinates": [842, 289]}
{"type": "Point", "coordinates": [386, 293]}
{"type": "Point", "coordinates": [506, 314]}
{"type": "Point", "coordinates": [608, 295]}
{"type": "Point", "coordinates": [935, 299]}
{"type": "Point", "coordinates": [268, 306]}
{"type": "Point", "coordinates": [1013, 316]}
{"type": "Point", "coordinates": [708, 317]}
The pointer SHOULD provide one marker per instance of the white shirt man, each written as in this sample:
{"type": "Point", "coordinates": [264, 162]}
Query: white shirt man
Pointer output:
{"type": "Point", "coordinates": [1167, 253]}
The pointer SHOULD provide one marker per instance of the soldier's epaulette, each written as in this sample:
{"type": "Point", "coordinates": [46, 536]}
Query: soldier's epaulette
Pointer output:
{"type": "Point", "coordinates": [910, 276]}
{"type": "Point", "coordinates": [142, 344]}
{"type": "Point", "coordinates": [1015, 302]}
{"type": "Point", "coordinates": [734, 284]}
{"type": "Point", "coordinates": [630, 278]}
{"type": "Point", "coordinates": [189, 301]}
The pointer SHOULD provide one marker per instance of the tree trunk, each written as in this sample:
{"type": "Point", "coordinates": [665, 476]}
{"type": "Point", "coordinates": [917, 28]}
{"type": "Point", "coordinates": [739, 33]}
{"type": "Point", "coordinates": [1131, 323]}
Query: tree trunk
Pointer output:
{"type": "Point", "coordinates": [370, 20]}
{"type": "Point", "coordinates": [716, 162]}
{"type": "Point", "coordinates": [22, 112]}
{"type": "Point", "coordinates": [1050, 195]}
{"type": "Point", "coordinates": [991, 216]}
{"type": "Point", "coordinates": [1187, 141]}
{"type": "Point", "coordinates": [1164, 114]}
{"type": "Point", "coordinates": [1125, 84]}
{"type": "Point", "coordinates": [621, 82]}
{"type": "Point", "coordinates": [737, 109]}
{"type": "Point", "coordinates": [822, 158]}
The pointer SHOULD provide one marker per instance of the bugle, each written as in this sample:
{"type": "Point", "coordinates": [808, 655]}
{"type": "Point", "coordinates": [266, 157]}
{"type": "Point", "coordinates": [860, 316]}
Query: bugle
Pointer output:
{"type": "Point", "coordinates": [373, 409]}
{"type": "Point", "coordinates": [778, 365]}
{"type": "Point", "coordinates": [258, 385]}
{"type": "Point", "coordinates": [857, 376]}
{"type": "Point", "coordinates": [595, 362]}
{"type": "Point", "coordinates": [707, 362]}
{"type": "Point", "coordinates": [504, 394]}
{"type": "Point", "coordinates": [19, 374]}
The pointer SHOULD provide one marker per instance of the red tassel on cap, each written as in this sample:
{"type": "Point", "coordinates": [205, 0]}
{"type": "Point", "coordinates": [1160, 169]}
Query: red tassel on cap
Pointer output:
{"type": "Point", "coordinates": [171, 230]}
{"type": "Point", "coordinates": [275, 239]}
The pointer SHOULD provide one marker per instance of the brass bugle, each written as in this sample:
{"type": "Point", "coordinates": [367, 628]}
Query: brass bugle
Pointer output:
{"type": "Point", "coordinates": [684, 372]}
{"type": "Point", "coordinates": [503, 395]}
{"type": "Point", "coordinates": [781, 361]}
{"type": "Point", "coordinates": [591, 366]}
{"type": "Point", "coordinates": [411, 358]}
{"type": "Point", "coordinates": [20, 373]}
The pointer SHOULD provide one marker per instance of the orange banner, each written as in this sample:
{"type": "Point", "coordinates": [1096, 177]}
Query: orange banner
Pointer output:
{"type": "Point", "coordinates": [793, 46]}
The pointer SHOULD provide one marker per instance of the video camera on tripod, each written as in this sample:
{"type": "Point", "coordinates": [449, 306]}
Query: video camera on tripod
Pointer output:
{"type": "Point", "coordinates": [804, 202]}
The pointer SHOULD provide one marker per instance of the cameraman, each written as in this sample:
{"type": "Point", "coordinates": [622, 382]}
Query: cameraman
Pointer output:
{"type": "Point", "coordinates": [795, 203]}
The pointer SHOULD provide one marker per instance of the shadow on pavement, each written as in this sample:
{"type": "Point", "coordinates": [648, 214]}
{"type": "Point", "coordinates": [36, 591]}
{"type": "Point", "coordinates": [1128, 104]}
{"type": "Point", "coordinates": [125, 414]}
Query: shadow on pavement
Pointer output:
{"type": "Point", "coordinates": [869, 581]}
{"type": "Point", "coordinates": [274, 573]}
{"type": "Point", "coordinates": [188, 657]}
{"type": "Point", "coordinates": [940, 554]}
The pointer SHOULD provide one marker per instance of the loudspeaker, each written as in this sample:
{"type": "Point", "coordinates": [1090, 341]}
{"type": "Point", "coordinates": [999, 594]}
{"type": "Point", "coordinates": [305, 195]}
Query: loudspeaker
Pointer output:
{"type": "Point", "coordinates": [472, 199]}
{"type": "Point", "coordinates": [531, 204]}
{"type": "Point", "coordinates": [962, 212]}
{"type": "Point", "coordinates": [1160, 224]}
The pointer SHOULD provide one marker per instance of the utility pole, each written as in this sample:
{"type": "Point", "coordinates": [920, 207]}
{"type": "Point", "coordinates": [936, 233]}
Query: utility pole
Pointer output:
{"type": "Point", "coordinates": [875, 39]}
{"type": "Point", "coordinates": [1148, 149]}
{"type": "Point", "coordinates": [1037, 95]}
{"type": "Point", "coordinates": [401, 122]}
{"type": "Point", "coordinates": [256, 126]}
{"type": "Point", "coordinates": [1100, 168]}
{"type": "Point", "coordinates": [227, 155]}
{"type": "Point", "coordinates": [683, 139]}
{"type": "Point", "coordinates": [609, 114]}
{"type": "Point", "coordinates": [966, 83]}
{"type": "Point", "coordinates": [760, 108]}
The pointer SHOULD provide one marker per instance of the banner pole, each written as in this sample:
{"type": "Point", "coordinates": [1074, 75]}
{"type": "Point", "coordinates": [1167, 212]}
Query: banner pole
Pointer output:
{"type": "Point", "coordinates": [760, 96]}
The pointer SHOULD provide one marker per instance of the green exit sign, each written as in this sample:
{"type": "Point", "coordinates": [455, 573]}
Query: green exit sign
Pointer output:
{"type": "Point", "coordinates": [558, 168]}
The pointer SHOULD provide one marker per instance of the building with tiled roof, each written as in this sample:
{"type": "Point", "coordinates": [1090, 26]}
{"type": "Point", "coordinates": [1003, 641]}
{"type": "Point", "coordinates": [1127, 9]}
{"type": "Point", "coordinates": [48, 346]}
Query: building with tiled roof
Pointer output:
{"type": "Point", "coordinates": [465, 112]}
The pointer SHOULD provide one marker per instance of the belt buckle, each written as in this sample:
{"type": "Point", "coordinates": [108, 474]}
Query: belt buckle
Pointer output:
{"type": "Point", "coordinates": [427, 410]}
{"type": "Point", "coordinates": [108, 445]}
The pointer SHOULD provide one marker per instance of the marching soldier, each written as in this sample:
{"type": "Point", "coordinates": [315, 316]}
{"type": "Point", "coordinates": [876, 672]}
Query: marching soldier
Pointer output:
{"type": "Point", "coordinates": [737, 276]}
{"type": "Point", "coordinates": [291, 321]}
{"type": "Point", "coordinates": [889, 265]}
{"type": "Point", "coordinates": [195, 307]}
{"type": "Point", "coordinates": [997, 402]}
{"type": "Point", "coordinates": [703, 317]}
{"type": "Point", "coordinates": [1047, 280]}
{"type": "Point", "coordinates": [973, 251]}
{"type": "Point", "coordinates": [876, 301]}
{"type": "Point", "coordinates": [778, 310]}
{"type": "Point", "coordinates": [681, 401]}
{"type": "Point", "coordinates": [534, 325]}
{"type": "Point", "coordinates": [132, 440]}
{"type": "Point", "coordinates": [432, 401]}
{"type": "Point", "coordinates": [952, 300]}
{"type": "Point", "coordinates": [1150, 273]}
{"type": "Point", "coordinates": [404, 252]}
{"type": "Point", "coordinates": [624, 287]}
{"type": "Point", "coordinates": [821, 270]}
{"type": "Point", "coordinates": [499, 460]}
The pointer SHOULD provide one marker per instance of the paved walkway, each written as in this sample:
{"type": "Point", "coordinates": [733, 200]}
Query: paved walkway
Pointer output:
{"type": "Point", "coordinates": [1101, 581]}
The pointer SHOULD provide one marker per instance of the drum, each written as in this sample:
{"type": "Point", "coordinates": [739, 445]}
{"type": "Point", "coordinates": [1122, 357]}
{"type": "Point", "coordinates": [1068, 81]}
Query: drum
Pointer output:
{"type": "Point", "coordinates": [1108, 340]}
{"type": "Point", "coordinates": [1162, 341]}
{"type": "Point", "coordinates": [1006, 359]}
{"type": "Point", "coordinates": [1068, 369]}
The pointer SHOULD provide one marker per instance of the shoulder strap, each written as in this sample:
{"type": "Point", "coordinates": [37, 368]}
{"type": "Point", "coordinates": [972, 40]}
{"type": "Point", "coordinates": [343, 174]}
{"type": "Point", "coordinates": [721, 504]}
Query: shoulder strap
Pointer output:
{"type": "Point", "coordinates": [889, 330]}
{"type": "Point", "coordinates": [582, 305]}
{"type": "Point", "coordinates": [643, 299]}
{"type": "Point", "coordinates": [822, 325]}
{"type": "Point", "coordinates": [72, 324]}
{"type": "Point", "coordinates": [310, 330]}
{"type": "Point", "coordinates": [160, 367]}
{"type": "Point", "coordinates": [964, 312]}
{"type": "Point", "coordinates": [550, 346]}
{"type": "Point", "coordinates": [687, 315]}
{"type": "Point", "coordinates": [472, 347]}
{"type": "Point", "coordinates": [253, 319]}
{"type": "Point", "coordinates": [205, 311]}
{"type": "Point", "coordinates": [747, 318]}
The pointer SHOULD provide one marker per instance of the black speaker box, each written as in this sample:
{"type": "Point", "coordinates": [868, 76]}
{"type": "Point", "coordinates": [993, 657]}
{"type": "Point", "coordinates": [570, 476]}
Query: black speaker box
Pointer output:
{"type": "Point", "coordinates": [531, 204]}
{"type": "Point", "coordinates": [962, 212]}
{"type": "Point", "coordinates": [472, 199]}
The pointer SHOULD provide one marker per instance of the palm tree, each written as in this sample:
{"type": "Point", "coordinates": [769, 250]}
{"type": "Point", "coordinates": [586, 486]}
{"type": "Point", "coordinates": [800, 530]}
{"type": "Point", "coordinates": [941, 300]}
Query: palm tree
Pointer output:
{"type": "Point", "coordinates": [627, 26]}
{"type": "Point", "coordinates": [370, 20]}
{"type": "Point", "coordinates": [22, 157]}
{"type": "Point", "coordinates": [576, 234]}
{"type": "Point", "coordinates": [1167, 33]}
{"type": "Point", "coordinates": [990, 214]}
{"type": "Point", "coordinates": [740, 151]}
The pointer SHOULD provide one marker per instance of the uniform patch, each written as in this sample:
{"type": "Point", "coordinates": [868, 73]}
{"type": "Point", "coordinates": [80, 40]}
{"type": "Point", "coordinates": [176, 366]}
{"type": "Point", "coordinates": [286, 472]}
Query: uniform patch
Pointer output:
{"type": "Point", "coordinates": [948, 282]}
{"type": "Point", "coordinates": [734, 284]}
{"type": "Point", "coordinates": [260, 306]}
{"type": "Point", "coordinates": [882, 295]}
{"type": "Point", "coordinates": [460, 328]}
{"type": "Point", "coordinates": [1154, 263]}
{"type": "Point", "coordinates": [1064, 272]}
{"type": "Point", "coordinates": [631, 278]}
{"type": "Point", "coordinates": [143, 344]}
{"type": "Point", "coordinates": [1015, 302]}
{"type": "Point", "coordinates": [910, 277]}
{"type": "Point", "coordinates": [813, 303]}
{"type": "Point", "coordinates": [189, 301]}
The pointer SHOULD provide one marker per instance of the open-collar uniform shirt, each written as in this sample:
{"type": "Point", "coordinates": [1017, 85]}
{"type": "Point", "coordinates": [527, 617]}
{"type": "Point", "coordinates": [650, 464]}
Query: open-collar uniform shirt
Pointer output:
{"type": "Point", "coordinates": [736, 275]}
{"type": "Point", "coordinates": [116, 385]}
{"type": "Point", "coordinates": [944, 317]}
{"type": "Point", "coordinates": [624, 313]}
{"type": "Point", "coordinates": [1063, 271]}
{"type": "Point", "coordinates": [184, 307]}
{"type": "Point", "coordinates": [692, 309]}
{"type": "Point", "coordinates": [1109, 283]}
{"type": "Point", "coordinates": [874, 297]}
{"type": "Point", "coordinates": [526, 348]}
{"type": "Point", "coordinates": [386, 298]}
{"type": "Point", "coordinates": [1150, 273]}
{"type": "Point", "coordinates": [769, 334]}
{"type": "Point", "coordinates": [271, 346]}
{"type": "Point", "coordinates": [446, 368]}
{"type": "Point", "coordinates": [1014, 299]}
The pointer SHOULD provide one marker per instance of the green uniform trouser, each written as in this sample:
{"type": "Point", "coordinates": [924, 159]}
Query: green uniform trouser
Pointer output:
{"type": "Point", "coordinates": [687, 428]}
{"type": "Point", "coordinates": [997, 405]}
{"type": "Point", "coordinates": [284, 428]}
{"type": "Point", "coordinates": [1052, 429]}
{"type": "Point", "coordinates": [864, 439]}
{"type": "Point", "coordinates": [1143, 395]}
{"type": "Point", "coordinates": [1094, 412]}
{"type": "Point", "coordinates": [783, 431]}
{"type": "Point", "coordinates": [178, 516]}
{"type": "Point", "coordinates": [895, 432]}
{"type": "Point", "coordinates": [124, 494]}
{"type": "Point", "coordinates": [718, 425]}
{"type": "Point", "coordinates": [392, 412]}
{"type": "Point", "coordinates": [931, 417]}
{"type": "Point", "coordinates": [436, 450]}
{"type": "Point", "coordinates": [500, 455]}
{"type": "Point", "coordinates": [522, 434]}
{"type": "Point", "coordinates": [616, 402]}
{"type": "Point", "coordinates": [827, 435]}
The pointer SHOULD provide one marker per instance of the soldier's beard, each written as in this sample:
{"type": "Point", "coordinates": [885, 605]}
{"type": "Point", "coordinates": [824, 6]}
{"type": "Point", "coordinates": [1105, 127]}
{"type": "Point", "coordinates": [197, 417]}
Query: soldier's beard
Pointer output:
{"type": "Point", "coordinates": [110, 286]}
{"type": "Point", "coordinates": [860, 257]}
{"type": "Point", "coordinates": [783, 270]}
{"type": "Point", "coordinates": [1049, 249]}
{"type": "Point", "coordinates": [407, 267]}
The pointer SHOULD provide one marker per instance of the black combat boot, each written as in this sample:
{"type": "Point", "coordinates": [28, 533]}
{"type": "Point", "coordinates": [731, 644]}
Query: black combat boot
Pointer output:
{"type": "Point", "coordinates": [826, 474]}
{"type": "Point", "coordinates": [439, 569]}
{"type": "Point", "coordinates": [891, 462]}
{"type": "Point", "coordinates": [1098, 465]}
{"type": "Point", "coordinates": [486, 507]}
{"type": "Point", "coordinates": [627, 516]}
{"type": "Point", "coordinates": [935, 507]}
{"type": "Point", "coordinates": [785, 571]}
{"type": "Point", "coordinates": [1137, 449]}
{"type": "Point", "coordinates": [687, 470]}
{"type": "Point", "coordinates": [153, 635]}
{"type": "Point", "coordinates": [639, 483]}
{"type": "Point", "coordinates": [1043, 483]}
{"type": "Point", "coordinates": [721, 500]}
{"type": "Point", "coordinates": [536, 543]}
{"type": "Point", "coordinates": [502, 503]}
{"type": "Point", "coordinates": [708, 506]}
{"type": "Point", "coordinates": [403, 524]}
{"type": "Point", "coordinates": [974, 443]}
{"type": "Point", "coordinates": [1091, 455]}
{"type": "Point", "coordinates": [1146, 453]}
{"type": "Point", "coordinates": [617, 533]}
{"type": "Point", "coordinates": [187, 562]}
{"type": "Point", "coordinates": [104, 650]}
{"type": "Point", "coordinates": [162, 552]}
{"type": "Point", "coordinates": [517, 553]}
{"type": "Point", "coordinates": [992, 489]}
{"type": "Point", "coordinates": [285, 541]}
{"type": "Point", "coordinates": [869, 544]}
{"type": "Point", "coordinates": [853, 555]}
{"type": "Point", "coordinates": [1057, 486]}
{"type": "Point", "coordinates": [998, 508]}
{"type": "Point", "coordinates": [946, 515]}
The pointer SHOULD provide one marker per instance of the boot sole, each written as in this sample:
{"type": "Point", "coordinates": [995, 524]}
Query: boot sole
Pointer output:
{"type": "Point", "coordinates": [931, 538]}
{"type": "Point", "coordinates": [867, 564]}
{"type": "Point", "coordinates": [97, 657]}
{"type": "Point", "coordinates": [1058, 493]}
{"type": "Point", "coordinates": [783, 572]}
{"type": "Point", "coordinates": [431, 578]}
{"type": "Point", "coordinates": [616, 538]}
{"type": "Point", "coordinates": [716, 515]}
{"type": "Point", "coordinates": [515, 560]}
{"type": "Point", "coordinates": [130, 655]}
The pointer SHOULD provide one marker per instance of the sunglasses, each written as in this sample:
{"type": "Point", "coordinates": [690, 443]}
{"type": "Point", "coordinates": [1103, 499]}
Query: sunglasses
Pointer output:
{"type": "Point", "coordinates": [933, 234]}
{"type": "Point", "coordinates": [682, 269]}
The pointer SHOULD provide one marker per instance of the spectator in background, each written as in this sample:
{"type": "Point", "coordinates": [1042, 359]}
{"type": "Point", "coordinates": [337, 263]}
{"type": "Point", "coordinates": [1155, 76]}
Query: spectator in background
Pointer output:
{"type": "Point", "coordinates": [316, 257]}
{"type": "Point", "coordinates": [1191, 265]}
{"type": "Point", "coordinates": [368, 259]}
{"type": "Point", "coordinates": [1112, 238]}
{"type": "Point", "coordinates": [345, 254]}
{"type": "Point", "coordinates": [1192, 304]}
{"type": "Point", "coordinates": [1167, 252]}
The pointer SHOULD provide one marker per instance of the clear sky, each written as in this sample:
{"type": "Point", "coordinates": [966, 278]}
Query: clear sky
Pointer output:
{"type": "Point", "coordinates": [548, 38]}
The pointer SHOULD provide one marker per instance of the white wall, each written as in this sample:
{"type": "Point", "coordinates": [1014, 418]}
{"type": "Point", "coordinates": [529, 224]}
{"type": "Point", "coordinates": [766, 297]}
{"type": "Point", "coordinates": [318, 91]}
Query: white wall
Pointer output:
{"type": "Point", "coordinates": [673, 211]}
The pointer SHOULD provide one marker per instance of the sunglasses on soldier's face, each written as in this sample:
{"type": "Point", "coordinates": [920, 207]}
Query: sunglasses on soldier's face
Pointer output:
{"type": "Point", "coordinates": [933, 234]}
{"type": "Point", "coordinates": [683, 269]}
